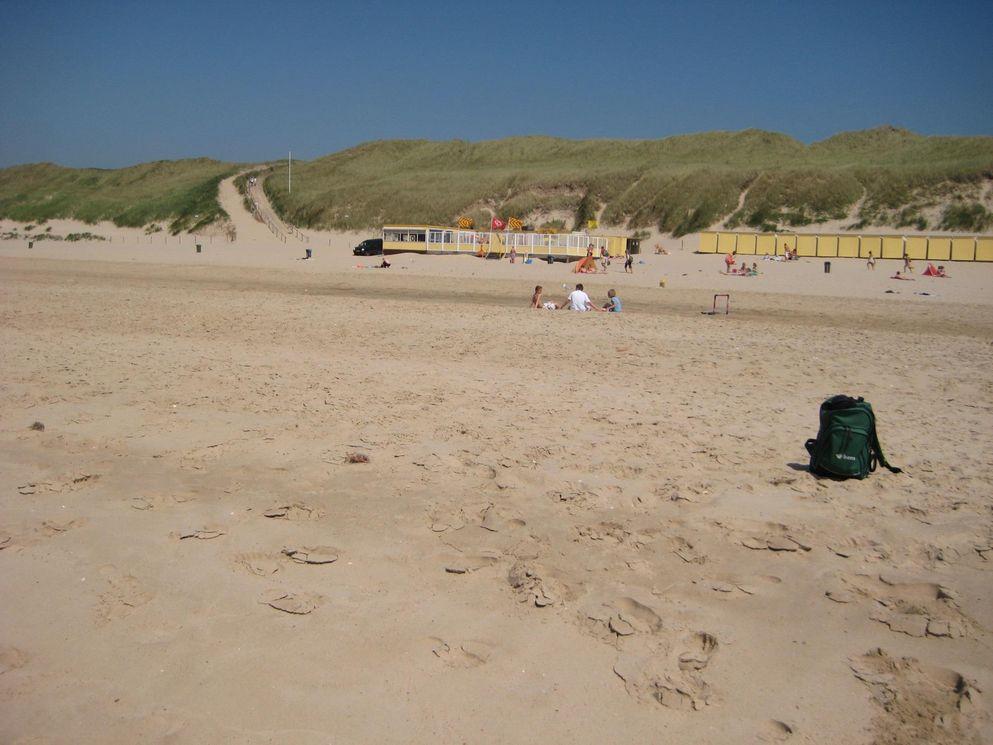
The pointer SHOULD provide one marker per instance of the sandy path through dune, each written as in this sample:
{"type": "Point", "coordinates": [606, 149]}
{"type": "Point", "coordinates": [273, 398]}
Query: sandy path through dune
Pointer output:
{"type": "Point", "coordinates": [585, 528]}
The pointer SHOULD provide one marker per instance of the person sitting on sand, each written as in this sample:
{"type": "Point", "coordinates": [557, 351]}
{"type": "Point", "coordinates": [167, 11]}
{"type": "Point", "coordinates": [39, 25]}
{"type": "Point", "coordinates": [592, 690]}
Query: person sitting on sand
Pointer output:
{"type": "Point", "coordinates": [536, 301]}
{"type": "Point", "coordinates": [385, 264]}
{"type": "Point", "coordinates": [900, 276]}
{"type": "Point", "coordinates": [578, 300]}
{"type": "Point", "coordinates": [536, 297]}
{"type": "Point", "coordinates": [613, 304]}
{"type": "Point", "coordinates": [941, 271]}
{"type": "Point", "coordinates": [754, 271]}
{"type": "Point", "coordinates": [871, 263]}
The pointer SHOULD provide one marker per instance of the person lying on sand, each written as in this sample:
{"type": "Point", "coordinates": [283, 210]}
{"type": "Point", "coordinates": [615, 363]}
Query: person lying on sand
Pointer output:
{"type": "Point", "coordinates": [931, 271]}
{"type": "Point", "coordinates": [898, 275]}
{"type": "Point", "coordinates": [385, 264]}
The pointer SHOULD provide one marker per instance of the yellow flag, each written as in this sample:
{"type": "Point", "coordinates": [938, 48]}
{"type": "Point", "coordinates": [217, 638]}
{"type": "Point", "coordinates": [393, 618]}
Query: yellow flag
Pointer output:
{"type": "Point", "coordinates": [592, 224]}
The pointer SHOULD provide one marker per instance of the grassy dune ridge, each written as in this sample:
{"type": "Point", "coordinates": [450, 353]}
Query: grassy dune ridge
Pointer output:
{"type": "Point", "coordinates": [182, 192]}
{"type": "Point", "coordinates": [878, 177]}
{"type": "Point", "coordinates": [678, 184]}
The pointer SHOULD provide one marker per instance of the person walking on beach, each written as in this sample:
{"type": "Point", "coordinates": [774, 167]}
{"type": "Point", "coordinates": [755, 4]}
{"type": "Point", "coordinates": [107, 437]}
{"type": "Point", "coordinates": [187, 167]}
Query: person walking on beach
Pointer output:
{"type": "Point", "coordinates": [871, 263]}
{"type": "Point", "coordinates": [628, 262]}
{"type": "Point", "coordinates": [907, 266]}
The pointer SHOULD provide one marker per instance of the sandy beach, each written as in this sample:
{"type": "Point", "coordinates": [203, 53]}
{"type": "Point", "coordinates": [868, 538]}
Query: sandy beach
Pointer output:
{"type": "Point", "coordinates": [572, 528]}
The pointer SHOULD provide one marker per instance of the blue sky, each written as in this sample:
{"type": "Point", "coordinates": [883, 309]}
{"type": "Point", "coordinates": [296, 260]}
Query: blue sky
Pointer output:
{"type": "Point", "coordinates": [110, 84]}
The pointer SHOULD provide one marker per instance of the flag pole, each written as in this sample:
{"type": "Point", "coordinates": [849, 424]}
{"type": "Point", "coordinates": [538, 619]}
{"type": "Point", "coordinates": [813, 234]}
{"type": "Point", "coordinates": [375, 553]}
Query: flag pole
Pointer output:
{"type": "Point", "coordinates": [289, 173]}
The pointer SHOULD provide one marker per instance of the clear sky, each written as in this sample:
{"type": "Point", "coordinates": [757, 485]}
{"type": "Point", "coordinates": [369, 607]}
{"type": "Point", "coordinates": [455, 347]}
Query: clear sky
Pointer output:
{"type": "Point", "coordinates": [91, 83]}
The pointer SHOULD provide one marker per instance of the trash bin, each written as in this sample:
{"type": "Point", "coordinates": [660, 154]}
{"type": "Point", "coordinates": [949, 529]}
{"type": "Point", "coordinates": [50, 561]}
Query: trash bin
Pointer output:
{"type": "Point", "coordinates": [199, 248]}
{"type": "Point", "coordinates": [827, 267]}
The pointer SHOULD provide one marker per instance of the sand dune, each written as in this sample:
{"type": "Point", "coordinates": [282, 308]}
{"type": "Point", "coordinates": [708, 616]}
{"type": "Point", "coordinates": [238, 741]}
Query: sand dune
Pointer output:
{"type": "Point", "coordinates": [575, 528]}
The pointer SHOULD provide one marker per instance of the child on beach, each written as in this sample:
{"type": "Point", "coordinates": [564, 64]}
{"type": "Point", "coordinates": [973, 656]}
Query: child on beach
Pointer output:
{"type": "Point", "coordinates": [613, 304]}
{"type": "Point", "coordinates": [628, 262]}
{"type": "Point", "coordinates": [871, 263]}
{"type": "Point", "coordinates": [537, 303]}
{"type": "Point", "coordinates": [536, 297]}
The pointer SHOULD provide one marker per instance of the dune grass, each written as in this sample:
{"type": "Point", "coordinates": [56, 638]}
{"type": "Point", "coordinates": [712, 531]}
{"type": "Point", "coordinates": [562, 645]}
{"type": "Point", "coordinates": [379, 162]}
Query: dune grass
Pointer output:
{"type": "Point", "coordinates": [182, 193]}
{"type": "Point", "coordinates": [678, 184]}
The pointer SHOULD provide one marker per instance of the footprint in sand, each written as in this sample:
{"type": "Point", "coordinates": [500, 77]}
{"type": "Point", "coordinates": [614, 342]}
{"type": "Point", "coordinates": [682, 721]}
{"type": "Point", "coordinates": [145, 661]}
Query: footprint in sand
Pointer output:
{"type": "Point", "coordinates": [702, 646]}
{"type": "Point", "coordinates": [621, 617]}
{"type": "Point", "coordinates": [532, 586]}
{"type": "Point", "coordinates": [864, 549]}
{"type": "Point", "coordinates": [294, 603]}
{"type": "Point", "coordinates": [52, 528]}
{"type": "Point", "coordinates": [650, 674]}
{"type": "Point", "coordinates": [295, 511]}
{"type": "Point", "coordinates": [774, 543]}
{"type": "Point", "coordinates": [605, 531]}
{"type": "Point", "coordinates": [688, 551]}
{"type": "Point", "coordinates": [731, 587]}
{"type": "Point", "coordinates": [259, 564]}
{"type": "Point", "coordinates": [495, 523]}
{"type": "Point", "coordinates": [124, 594]}
{"type": "Point", "coordinates": [200, 534]}
{"type": "Point", "coordinates": [467, 564]}
{"type": "Point", "coordinates": [60, 486]}
{"type": "Point", "coordinates": [775, 731]}
{"type": "Point", "coordinates": [921, 703]}
{"type": "Point", "coordinates": [11, 658]}
{"type": "Point", "coordinates": [312, 554]}
{"type": "Point", "coordinates": [149, 502]}
{"type": "Point", "coordinates": [906, 606]}
{"type": "Point", "coordinates": [465, 655]}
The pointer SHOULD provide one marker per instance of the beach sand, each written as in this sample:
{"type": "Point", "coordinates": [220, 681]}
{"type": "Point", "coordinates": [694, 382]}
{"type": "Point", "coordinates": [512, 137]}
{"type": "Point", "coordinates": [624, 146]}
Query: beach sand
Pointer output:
{"type": "Point", "coordinates": [572, 528]}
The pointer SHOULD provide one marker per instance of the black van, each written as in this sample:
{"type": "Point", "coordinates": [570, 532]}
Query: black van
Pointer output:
{"type": "Point", "coordinates": [369, 247]}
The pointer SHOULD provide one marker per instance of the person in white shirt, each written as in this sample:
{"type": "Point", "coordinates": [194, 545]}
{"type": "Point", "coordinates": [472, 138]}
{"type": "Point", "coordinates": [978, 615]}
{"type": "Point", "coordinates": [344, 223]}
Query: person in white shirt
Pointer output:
{"type": "Point", "coordinates": [579, 300]}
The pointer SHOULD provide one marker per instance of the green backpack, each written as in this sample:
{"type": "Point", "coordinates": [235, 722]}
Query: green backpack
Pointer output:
{"type": "Point", "coordinates": [847, 444]}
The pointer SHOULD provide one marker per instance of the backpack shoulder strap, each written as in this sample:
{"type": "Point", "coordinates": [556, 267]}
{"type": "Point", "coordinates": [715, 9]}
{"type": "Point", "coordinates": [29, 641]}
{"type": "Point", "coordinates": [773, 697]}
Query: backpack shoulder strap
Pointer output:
{"type": "Point", "coordinates": [877, 451]}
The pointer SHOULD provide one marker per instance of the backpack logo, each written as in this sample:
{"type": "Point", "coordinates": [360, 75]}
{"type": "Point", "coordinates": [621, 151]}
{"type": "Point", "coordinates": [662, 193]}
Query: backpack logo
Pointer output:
{"type": "Point", "coordinates": [842, 456]}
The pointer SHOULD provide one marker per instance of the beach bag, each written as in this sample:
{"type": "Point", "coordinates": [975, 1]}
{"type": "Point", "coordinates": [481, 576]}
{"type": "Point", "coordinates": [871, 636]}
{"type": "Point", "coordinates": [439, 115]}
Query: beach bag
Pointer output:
{"type": "Point", "coordinates": [847, 445]}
